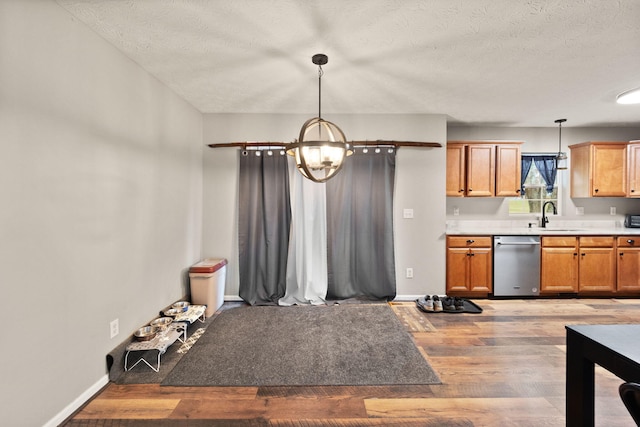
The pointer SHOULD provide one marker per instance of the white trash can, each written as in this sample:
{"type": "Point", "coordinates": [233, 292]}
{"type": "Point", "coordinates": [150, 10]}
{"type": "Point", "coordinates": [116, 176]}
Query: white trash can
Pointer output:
{"type": "Point", "coordinates": [207, 279]}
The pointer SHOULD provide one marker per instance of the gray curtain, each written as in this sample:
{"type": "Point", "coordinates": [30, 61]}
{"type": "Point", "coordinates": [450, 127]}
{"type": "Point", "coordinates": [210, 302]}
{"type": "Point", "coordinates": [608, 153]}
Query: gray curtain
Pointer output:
{"type": "Point", "coordinates": [361, 259]}
{"type": "Point", "coordinates": [264, 218]}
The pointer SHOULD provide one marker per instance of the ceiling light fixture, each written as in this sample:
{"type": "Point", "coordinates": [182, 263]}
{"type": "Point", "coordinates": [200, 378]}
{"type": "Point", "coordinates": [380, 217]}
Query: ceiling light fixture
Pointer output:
{"type": "Point", "coordinates": [321, 148]}
{"type": "Point", "coordinates": [629, 97]}
{"type": "Point", "coordinates": [561, 159]}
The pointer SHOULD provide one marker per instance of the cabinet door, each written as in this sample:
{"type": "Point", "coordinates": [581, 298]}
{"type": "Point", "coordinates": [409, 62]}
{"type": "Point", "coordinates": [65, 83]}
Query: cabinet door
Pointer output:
{"type": "Point", "coordinates": [508, 166]}
{"type": "Point", "coordinates": [580, 173]}
{"type": "Point", "coordinates": [480, 270]}
{"type": "Point", "coordinates": [628, 270]}
{"type": "Point", "coordinates": [481, 170]}
{"type": "Point", "coordinates": [633, 154]}
{"type": "Point", "coordinates": [597, 269]}
{"type": "Point", "coordinates": [456, 163]}
{"type": "Point", "coordinates": [609, 166]}
{"type": "Point", "coordinates": [457, 269]}
{"type": "Point", "coordinates": [559, 270]}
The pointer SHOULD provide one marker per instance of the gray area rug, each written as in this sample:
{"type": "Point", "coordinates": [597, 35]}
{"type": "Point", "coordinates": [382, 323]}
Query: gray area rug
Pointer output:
{"type": "Point", "coordinates": [352, 344]}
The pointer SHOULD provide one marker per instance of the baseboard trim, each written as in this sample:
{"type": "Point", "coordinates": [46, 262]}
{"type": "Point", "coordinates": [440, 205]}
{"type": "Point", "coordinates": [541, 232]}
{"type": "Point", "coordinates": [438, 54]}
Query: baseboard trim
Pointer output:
{"type": "Point", "coordinates": [77, 403]}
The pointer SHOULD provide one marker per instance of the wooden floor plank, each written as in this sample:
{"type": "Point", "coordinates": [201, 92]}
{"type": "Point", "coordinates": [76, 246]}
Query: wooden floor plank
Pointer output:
{"type": "Point", "coordinates": [129, 408]}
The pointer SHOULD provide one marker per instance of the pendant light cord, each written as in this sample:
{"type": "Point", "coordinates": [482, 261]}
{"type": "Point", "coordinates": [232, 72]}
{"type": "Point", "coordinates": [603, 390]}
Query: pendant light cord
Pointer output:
{"type": "Point", "coordinates": [559, 122]}
{"type": "Point", "coordinates": [320, 73]}
{"type": "Point", "coordinates": [560, 137]}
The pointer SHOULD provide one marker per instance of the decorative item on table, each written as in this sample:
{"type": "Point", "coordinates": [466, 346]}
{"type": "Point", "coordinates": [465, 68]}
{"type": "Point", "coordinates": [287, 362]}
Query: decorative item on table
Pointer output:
{"type": "Point", "coordinates": [162, 323]}
{"type": "Point", "coordinates": [181, 305]}
{"type": "Point", "coordinates": [146, 333]}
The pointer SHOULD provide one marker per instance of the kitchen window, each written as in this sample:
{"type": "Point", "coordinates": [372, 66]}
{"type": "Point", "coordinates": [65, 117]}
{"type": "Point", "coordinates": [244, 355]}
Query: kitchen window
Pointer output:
{"type": "Point", "coordinates": [535, 189]}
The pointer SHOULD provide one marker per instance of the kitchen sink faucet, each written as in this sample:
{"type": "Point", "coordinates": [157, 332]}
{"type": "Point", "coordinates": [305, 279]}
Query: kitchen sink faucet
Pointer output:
{"type": "Point", "coordinates": [545, 220]}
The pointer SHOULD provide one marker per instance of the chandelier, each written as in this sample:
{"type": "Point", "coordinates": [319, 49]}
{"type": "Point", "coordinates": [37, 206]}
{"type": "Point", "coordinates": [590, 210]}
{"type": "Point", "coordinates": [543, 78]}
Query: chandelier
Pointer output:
{"type": "Point", "coordinates": [321, 147]}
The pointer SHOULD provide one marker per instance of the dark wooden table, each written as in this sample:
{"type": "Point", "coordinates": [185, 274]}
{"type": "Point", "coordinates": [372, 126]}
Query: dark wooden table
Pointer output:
{"type": "Point", "coordinates": [614, 347]}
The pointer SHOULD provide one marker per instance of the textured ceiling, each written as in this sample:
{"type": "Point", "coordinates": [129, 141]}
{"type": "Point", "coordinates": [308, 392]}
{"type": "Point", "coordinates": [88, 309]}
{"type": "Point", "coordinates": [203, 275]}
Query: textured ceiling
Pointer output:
{"type": "Point", "coordinates": [481, 62]}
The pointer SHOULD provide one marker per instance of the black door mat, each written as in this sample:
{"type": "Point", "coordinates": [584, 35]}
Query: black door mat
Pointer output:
{"type": "Point", "coordinates": [469, 307]}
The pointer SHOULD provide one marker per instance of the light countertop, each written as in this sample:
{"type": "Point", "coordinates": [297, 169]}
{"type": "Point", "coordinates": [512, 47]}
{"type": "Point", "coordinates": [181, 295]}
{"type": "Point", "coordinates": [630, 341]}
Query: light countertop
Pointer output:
{"type": "Point", "coordinates": [555, 228]}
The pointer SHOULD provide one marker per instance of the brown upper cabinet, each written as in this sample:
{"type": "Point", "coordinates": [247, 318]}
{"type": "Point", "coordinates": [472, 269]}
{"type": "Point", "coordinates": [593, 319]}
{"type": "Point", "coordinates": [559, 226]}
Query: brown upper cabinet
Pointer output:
{"type": "Point", "coordinates": [483, 168]}
{"type": "Point", "coordinates": [633, 159]}
{"type": "Point", "coordinates": [599, 169]}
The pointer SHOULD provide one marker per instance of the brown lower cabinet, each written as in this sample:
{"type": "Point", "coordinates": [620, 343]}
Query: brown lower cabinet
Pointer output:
{"type": "Point", "coordinates": [597, 265]}
{"type": "Point", "coordinates": [603, 265]}
{"type": "Point", "coordinates": [628, 263]}
{"type": "Point", "coordinates": [469, 265]}
{"type": "Point", "coordinates": [559, 264]}
{"type": "Point", "coordinates": [583, 265]}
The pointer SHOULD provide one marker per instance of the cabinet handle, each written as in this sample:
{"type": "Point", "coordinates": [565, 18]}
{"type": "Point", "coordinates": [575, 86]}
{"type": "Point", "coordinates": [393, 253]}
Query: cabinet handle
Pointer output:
{"type": "Point", "coordinates": [631, 241]}
{"type": "Point", "coordinates": [583, 254]}
{"type": "Point", "coordinates": [621, 253]}
{"type": "Point", "coordinates": [470, 241]}
{"type": "Point", "coordinates": [633, 191]}
{"type": "Point", "coordinates": [518, 190]}
{"type": "Point", "coordinates": [470, 189]}
{"type": "Point", "coordinates": [596, 190]}
{"type": "Point", "coordinates": [575, 254]}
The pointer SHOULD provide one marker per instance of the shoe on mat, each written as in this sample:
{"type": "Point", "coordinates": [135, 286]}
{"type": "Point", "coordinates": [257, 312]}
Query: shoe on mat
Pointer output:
{"type": "Point", "coordinates": [425, 303]}
{"type": "Point", "coordinates": [448, 304]}
{"type": "Point", "coordinates": [459, 304]}
{"type": "Point", "coordinates": [428, 303]}
{"type": "Point", "coordinates": [437, 304]}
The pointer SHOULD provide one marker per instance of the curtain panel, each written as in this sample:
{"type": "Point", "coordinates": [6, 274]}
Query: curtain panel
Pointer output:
{"type": "Point", "coordinates": [360, 249]}
{"type": "Point", "coordinates": [264, 220]}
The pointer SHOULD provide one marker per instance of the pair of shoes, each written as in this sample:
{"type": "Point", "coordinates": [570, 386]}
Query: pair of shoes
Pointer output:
{"type": "Point", "coordinates": [458, 303]}
{"type": "Point", "coordinates": [428, 303]}
{"type": "Point", "coordinates": [425, 304]}
{"type": "Point", "coordinates": [437, 303]}
{"type": "Point", "coordinates": [449, 304]}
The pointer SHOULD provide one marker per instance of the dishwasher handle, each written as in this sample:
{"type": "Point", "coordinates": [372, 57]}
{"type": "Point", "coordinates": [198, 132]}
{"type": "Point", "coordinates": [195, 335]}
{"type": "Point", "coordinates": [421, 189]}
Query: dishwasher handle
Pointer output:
{"type": "Point", "coordinates": [518, 243]}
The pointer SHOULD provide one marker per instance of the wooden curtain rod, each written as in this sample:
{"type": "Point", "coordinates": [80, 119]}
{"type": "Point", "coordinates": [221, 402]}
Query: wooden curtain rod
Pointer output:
{"type": "Point", "coordinates": [353, 143]}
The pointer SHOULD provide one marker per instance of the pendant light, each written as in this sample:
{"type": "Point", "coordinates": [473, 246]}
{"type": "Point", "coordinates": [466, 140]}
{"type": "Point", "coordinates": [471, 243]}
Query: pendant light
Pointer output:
{"type": "Point", "coordinates": [321, 148]}
{"type": "Point", "coordinates": [562, 162]}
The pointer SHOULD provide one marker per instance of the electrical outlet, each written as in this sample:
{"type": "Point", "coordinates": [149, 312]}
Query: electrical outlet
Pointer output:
{"type": "Point", "coordinates": [409, 273]}
{"type": "Point", "coordinates": [579, 210]}
{"type": "Point", "coordinates": [114, 327]}
{"type": "Point", "coordinates": [612, 210]}
{"type": "Point", "coordinates": [456, 211]}
{"type": "Point", "coordinates": [408, 213]}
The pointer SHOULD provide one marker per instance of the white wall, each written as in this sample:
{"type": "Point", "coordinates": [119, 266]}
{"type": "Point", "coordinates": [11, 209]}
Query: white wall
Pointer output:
{"type": "Point", "coordinates": [544, 140]}
{"type": "Point", "coordinates": [420, 185]}
{"type": "Point", "coordinates": [101, 195]}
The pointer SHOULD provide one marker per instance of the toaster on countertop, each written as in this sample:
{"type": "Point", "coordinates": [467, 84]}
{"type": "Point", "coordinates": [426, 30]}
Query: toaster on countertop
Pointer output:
{"type": "Point", "coordinates": [632, 221]}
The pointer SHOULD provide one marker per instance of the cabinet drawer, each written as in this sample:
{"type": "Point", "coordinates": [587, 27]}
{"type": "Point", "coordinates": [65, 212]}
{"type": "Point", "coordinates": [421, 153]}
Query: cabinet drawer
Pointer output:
{"type": "Point", "coordinates": [468, 241]}
{"type": "Point", "coordinates": [629, 242]}
{"type": "Point", "coordinates": [596, 241]}
{"type": "Point", "coordinates": [559, 241]}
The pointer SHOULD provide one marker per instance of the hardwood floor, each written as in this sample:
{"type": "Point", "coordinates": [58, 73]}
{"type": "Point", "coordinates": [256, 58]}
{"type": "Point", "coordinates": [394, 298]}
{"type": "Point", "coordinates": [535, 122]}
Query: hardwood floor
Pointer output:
{"type": "Point", "coordinates": [503, 367]}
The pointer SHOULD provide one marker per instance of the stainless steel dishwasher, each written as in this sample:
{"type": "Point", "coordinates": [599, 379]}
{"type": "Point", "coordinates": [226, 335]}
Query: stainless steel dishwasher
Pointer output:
{"type": "Point", "coordinates": [516, 265]}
